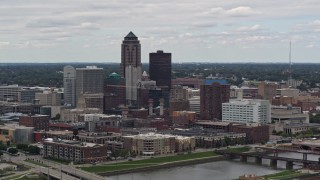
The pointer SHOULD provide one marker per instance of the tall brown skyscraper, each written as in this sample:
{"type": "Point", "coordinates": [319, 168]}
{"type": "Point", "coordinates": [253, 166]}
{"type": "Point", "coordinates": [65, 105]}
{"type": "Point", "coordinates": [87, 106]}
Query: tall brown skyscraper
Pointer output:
{"type": "Point", "coordinates": [130, 66]}
{"type": "Point", "coordinates": [211, 99]}
{"type": "Point", "coordinates": [160, 68]}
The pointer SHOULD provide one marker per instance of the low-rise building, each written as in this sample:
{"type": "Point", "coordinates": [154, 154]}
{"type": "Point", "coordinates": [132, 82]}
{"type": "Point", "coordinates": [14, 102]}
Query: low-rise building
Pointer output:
{"type": "Point", "coordinates": [152, 144]}
{"type": "Point", "coordinates": [294, 128]}
{"type": "Point", "coordinates": [255, 133]}
{"type": "Point", "coordinates": [75, 151]}
{"type": "Point", "coordinates": [39, 122]}
{"type": "Point", "coordinates": [16, 134]}
{"type": "Point", "coordinates": [288, 114]}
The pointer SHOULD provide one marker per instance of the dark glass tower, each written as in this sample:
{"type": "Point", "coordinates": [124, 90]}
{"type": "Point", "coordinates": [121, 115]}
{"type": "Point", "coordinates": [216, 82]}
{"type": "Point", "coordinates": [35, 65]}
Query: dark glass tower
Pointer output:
{"type": "Point", "coordinates": [160, 68]}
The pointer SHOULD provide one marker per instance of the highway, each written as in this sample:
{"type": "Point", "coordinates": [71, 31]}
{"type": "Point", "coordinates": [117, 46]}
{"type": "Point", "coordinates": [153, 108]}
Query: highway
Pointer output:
{"type": "Point", "coordinates": [55, 168]}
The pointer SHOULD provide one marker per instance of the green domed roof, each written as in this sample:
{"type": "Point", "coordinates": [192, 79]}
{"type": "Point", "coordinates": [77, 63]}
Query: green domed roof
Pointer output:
{"type": "Point", "coordinates": [114, 75]}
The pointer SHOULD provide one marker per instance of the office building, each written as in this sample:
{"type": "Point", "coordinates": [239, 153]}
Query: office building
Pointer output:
{"type": "Point", "coordinates": [267, 90]}
{"type": "Point", "coordinates": [160, 68]}
{"type": "Point", "coordinates": [130, 66]}
{"type": "Point", "coordinates": [211, 99]}
{"type": "Point", "coordinates": [27, 95]}
{"type": "Point", "coordinates": [69, 85]}
{"type": "Point", "coordinates": [48, 98]}
{"type": "Point", "coordinates": [9, 93]}
{"type": "Point", "coordinates": [247, 111]}
{"type": "Point", "coordinates": [89, 80]}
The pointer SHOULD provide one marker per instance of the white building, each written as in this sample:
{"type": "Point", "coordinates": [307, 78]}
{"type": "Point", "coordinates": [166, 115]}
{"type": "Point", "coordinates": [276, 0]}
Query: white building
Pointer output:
{"type": "Point", "coordinates": [194, 104]}
{"type": "Point", "coordinates": [247, 111]}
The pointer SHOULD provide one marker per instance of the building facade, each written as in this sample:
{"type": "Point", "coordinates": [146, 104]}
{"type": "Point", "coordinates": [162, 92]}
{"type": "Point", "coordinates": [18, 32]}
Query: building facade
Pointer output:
{"type": "Point", "coordinates": [160, 68]}
{"type": "Point", "coordinates": [211, 99]}
{"type": "Point", "coordinates": [75, 151]}
{"type": "Point", "coordinates": [39, 122]}
{"type": "Point", "coordinates": [157, 144]}
{"type": "Point", "coordinates": [247, 111]}
{"type": "Point", "coordinates": [130, 66]}
{"type": "Point", "coordinates": [69, 85]}
{"type": "Point", "coordinates": [89, 80]}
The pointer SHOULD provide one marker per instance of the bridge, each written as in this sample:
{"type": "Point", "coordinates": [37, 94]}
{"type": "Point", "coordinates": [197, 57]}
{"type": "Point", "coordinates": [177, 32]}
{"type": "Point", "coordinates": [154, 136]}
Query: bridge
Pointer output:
{"type": "Point", "coordinates": [273, 158]}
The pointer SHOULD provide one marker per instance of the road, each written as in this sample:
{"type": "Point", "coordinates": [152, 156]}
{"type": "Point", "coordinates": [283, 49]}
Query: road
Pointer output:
{"type": "Point", "coordinates": [54, 168]}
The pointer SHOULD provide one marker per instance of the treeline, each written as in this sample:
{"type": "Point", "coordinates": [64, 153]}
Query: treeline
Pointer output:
{"type": "Point", "coordinates": [42, 74]}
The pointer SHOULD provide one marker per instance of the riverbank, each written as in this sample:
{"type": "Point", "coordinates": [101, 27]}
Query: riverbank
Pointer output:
{"type": "Point", "coordinates": [154, 163]}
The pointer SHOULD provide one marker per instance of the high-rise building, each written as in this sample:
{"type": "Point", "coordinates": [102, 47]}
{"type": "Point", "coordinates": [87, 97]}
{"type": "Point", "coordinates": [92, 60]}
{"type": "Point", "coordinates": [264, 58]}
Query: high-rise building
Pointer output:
{"type": "Point", "coordinates": [69, 85]}
{"type": "Point", "coordinates": [89, 80]}
{"type": "Point", "coordinates": [211, 99]}
{"type": "Point", "coordinates": [130, 66]}
{"type": "Point", "coordinates": [48, 98]}
{"type": "Point", "coordinates": [247, 111]}
{"type": "Point", "coordinates": [160, 68]}
{"type": "Point", "coordinates": [267, 90]}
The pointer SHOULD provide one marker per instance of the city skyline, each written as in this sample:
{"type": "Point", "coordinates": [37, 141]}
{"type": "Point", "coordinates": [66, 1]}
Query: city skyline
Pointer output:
{"type": "Point", "coordinates": [206, 31]}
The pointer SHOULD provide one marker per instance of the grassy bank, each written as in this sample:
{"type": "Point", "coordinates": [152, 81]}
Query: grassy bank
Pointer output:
{"type": "Point", "coordinates": [147, 162]}
{"type": "Point", "coordinates": [238, 150]}
{"type": "Point", "coordinates": [35, 162]}
{"type": "Point", "coordinates": [287, 174]}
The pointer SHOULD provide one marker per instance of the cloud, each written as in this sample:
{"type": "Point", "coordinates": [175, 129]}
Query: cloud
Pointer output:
{"type": "Point", "coordinates": [4, 44]}
{"type": "Point", "coordinates": [241, 11]}
{"type": "Point", "coordinates": [310, 46]}
{"type": "Point", "coordinates": [256, 27]}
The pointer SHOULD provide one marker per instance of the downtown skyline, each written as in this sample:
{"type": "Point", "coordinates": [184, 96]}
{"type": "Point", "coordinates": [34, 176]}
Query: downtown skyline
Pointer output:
{"type": "Point", "coordinates": [206, 31]}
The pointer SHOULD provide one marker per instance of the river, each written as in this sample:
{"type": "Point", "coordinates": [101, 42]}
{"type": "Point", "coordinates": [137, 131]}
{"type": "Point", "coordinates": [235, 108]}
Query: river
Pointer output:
{"type": "Point", "coordinates": [219, 170]}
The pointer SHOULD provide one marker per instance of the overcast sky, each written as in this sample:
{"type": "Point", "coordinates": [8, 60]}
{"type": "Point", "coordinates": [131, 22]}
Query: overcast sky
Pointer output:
{"type": "Point", "coordinates": [193, 31]}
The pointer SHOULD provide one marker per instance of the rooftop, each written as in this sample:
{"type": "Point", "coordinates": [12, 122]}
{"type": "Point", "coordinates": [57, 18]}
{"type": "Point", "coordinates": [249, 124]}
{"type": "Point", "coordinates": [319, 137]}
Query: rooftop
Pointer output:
{"type": "Point", "coordinates": [131, 35]}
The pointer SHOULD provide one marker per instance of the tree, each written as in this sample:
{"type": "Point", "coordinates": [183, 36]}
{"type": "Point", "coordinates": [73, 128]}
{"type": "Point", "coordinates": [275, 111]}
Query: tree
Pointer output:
{"type": "Point", "coordinates": [115, 154]}
{"type": "Point", "coordinates": [123, 153]}
{"type": "Point", "coordinates": [13, 151]}
{"type": "Point", "coordinates": [57, 117]}
{"type": "Point", "coordinates": [8, 143]}
{"type": "Point", "coordinates": [23, 147]}
{"type": "Point", "coordinates": [34, 150]}
{"type": "Point", "coordinates": [3, 147]}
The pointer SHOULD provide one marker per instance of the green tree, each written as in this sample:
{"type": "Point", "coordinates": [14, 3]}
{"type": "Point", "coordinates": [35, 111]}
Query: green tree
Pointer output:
{"type": "Point", "coordinates": [34, 150]}
{"type": "Point", "coordinates": [115, 154]}
{"type": "Point", "coordinates": [23, 147]}
{"type": "Point", "coordinates": [3, 147]}
{"type": "Point", "coordinates": [8, 143]}
{"type": "Point", "coordinates": [13, 150]}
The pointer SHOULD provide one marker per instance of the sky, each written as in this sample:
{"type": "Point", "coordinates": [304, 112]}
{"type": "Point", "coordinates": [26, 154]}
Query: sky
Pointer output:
{"type": "Point", "coordinates": [193, 31]}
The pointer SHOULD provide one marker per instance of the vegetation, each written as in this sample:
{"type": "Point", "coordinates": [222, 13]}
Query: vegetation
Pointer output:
{"type": "Point", "coordinates": [35, 150]}
{"type": "Point", "coordinates": [13, 150]}
{"type": "Point", "coordinates": [59, 161]}
{"type": "Point", "coordinates": [3, 147]}
{"type": "Point", "coordinates": [284, 175]}
{"type": "Point", "coordinates": [147, 162]}
{"type": "Point", "coordinates": [36, 163]}
{"type": "Point", "coordinates": [238, 150]}
{"type": "Point", "coordinates": [314, 118]}
{"type": "Point", "coordinates": [51, 75]}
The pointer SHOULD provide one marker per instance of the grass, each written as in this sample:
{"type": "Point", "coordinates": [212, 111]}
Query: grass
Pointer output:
{"type": "Point", "coordinates": [237, 150]}
{"type": "Point", "coordinates": [36, 163]}
{"type": "Point", "coordinates": [287, 174]}
{"type": "Point", "coordinates": [147, 162]}
{"type": "Point", "coordinates": [58, 161]}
